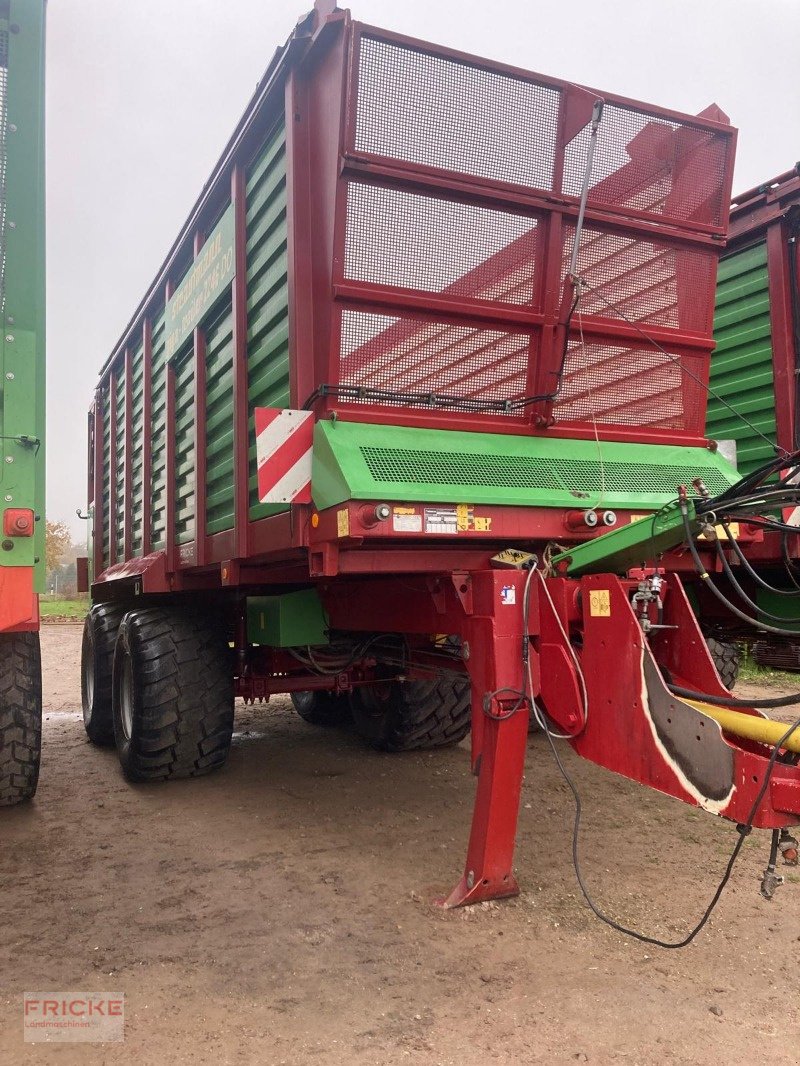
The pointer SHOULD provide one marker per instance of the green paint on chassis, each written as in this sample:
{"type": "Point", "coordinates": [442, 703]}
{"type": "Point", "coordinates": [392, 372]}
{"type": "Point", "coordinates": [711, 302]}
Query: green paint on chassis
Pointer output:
{"type": "Point", "coordinates": [290, 620]}
{"type": "Point", "coordinates": [356, 461]}
{"type": "Point", "coordinates": [22, 338]}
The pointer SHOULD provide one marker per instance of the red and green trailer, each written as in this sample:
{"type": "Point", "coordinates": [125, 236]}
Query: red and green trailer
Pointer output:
{"type": "Point", "coordinates": [755, 369]}
{"type": "Point", "coordinates": [22, 392]}
{"type": "Point", "coordinates": [411, 426]}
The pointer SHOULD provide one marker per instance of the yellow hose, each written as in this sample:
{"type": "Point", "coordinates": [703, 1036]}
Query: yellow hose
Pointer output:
{"type": "Point", "coordinates": [748, 725]}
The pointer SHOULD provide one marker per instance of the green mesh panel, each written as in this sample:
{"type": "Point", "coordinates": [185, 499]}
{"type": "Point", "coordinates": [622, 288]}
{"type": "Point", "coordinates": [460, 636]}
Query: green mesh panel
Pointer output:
{"type": "Point", "coordinates": [443, 468]}
{"type": "Point", "coordinates": [368, 461]}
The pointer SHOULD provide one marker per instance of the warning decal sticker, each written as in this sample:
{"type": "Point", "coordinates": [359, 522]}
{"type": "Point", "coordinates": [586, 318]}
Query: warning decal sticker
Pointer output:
{"type": "Point", "coordinates": [455, 520]}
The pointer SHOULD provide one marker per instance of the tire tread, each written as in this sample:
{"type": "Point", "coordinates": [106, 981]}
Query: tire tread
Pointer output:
{"type": "Point", "coordinates": [184, 680]}
{"type": "Point", "coordinates": [20, 716]}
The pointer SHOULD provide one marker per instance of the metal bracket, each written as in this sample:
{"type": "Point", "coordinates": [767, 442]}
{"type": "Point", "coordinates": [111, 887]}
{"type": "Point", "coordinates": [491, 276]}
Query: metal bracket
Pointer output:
{"type": "Point", "coordinates": [462, 583]}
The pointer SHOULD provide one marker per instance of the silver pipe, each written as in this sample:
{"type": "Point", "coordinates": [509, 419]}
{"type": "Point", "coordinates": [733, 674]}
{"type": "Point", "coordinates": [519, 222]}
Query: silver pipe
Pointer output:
{"type": "Point", "coordinates": [597, 114]}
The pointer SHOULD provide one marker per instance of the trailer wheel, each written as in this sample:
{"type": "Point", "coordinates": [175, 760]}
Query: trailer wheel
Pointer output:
{"type": "Point", "coordinates": [409, 715]}
{"type": "Point", "coordinates": [20, 716]}
{"type": "Point", "coordinates": [321, 708]}
{"type": "Point", "coordinates": [172, 695]}
{"type": "Point", "coordinates": [726, 660]}
{"type": "Point", "coordinates": [97, 660]}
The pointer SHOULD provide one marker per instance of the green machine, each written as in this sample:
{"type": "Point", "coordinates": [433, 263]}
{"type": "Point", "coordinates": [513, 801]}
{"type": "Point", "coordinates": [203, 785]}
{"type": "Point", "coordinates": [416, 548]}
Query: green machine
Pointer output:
{"type": "Point", "coordinates": [22, 392]}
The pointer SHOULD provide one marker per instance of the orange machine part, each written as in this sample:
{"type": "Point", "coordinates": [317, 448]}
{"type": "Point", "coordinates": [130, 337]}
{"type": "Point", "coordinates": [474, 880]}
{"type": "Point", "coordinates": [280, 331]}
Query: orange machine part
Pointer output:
{"type": "Point", "coordinates": [19, 605]}
{"type": "Point", "coordinates": [18, 522]}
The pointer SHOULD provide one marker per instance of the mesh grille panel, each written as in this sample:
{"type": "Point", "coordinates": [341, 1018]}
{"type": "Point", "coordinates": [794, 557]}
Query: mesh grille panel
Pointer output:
{"type": "Point", "coordinates": [632, 386]}
{"type": "Point", "coordinates": [650, 164]}
{"type": "Point", "coordinates": [425, 109]}
{"type": "Point", "coordinates": [570, 475]}
{"type": "Point", "coordinates": [407, 355]}
{"type": "Point", "coordinates": [421, 242]}
{"type": "Point", "coordinates": [644, 281]}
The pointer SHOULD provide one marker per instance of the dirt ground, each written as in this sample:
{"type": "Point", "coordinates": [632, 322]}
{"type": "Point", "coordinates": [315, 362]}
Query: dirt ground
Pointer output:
{"type": "Point", "coordinates": [280, 911]}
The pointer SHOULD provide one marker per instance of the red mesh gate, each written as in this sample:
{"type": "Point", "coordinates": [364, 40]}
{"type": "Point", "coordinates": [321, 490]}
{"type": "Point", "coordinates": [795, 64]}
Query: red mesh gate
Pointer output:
{"type": "Point", "coordinates": [456, 209]}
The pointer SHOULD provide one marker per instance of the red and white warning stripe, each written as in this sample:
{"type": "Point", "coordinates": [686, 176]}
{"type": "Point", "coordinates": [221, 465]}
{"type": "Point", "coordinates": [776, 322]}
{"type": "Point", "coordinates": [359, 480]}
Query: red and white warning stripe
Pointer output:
{"type": "Point", "coordinates": [284, 441]}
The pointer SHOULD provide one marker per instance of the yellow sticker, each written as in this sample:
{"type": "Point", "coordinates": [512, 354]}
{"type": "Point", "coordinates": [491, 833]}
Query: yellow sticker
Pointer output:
{"type": "Point", "coordinates": [722, 535]}
{"type": "Point", "coordinates": [343, 522]}
{"type": "Point", "coordinates": [600, 603]}
{"type": "Point", "coordinates": [404, 510]}
{"type": "Point", "coordinates": [483, 525]}
{"type": "Point", "coordinates": [463, 515]}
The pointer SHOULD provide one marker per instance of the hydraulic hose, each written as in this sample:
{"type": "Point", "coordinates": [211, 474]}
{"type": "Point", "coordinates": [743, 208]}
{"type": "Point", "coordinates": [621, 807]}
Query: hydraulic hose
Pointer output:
{"type": "Point", "coordinates": [731, 701]}
{"type": "Point", "coordinates": [726, 569]}
{"type": "Point", "coordinates": [754, 573]}
{"type": "Point", "coordinates": [704, 575]}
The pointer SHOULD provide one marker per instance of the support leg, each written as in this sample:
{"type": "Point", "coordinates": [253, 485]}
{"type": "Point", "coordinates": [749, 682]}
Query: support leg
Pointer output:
{"type": "Point", "coordinates": [495, 665]}
{"type": "Point", "coordinates": [488, 871]}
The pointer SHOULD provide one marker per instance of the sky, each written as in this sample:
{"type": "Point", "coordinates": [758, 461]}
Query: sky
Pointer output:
{"type": "Point", "coordinates": [143, 95]}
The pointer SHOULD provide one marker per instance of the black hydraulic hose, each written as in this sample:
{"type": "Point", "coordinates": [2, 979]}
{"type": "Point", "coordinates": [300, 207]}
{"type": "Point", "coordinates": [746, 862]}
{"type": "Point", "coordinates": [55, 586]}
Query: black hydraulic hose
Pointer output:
{"type": "Point", "coordinates": [753, 491]}
{"type": "Point", "coordinates": [712, 588]}
{"type": "Point", "coordinates": [758, 502]}
{"type": "Point", "coordinates": [760, 475]}
{"type": "Point", "coordinates": [731, 701]}
{"type": "Point", "coordinates": [764, 523]}
{"type": "Point", "coordinates": [787, 561]}
{"type": "Point", "coordinates": [743, 829]}
{"type": "Point", "coordinates": [726, 569]}
{"type": "Point", "coordinates": [756, 495]}
{"type": "Point", "coordinates": [773, 850]}
{"type": "Point", "coordinates": [754, 573]}
{"type": "Point", "coordinates": [781, 495]}
{"type": "Point", "coordinates": [565, 350]}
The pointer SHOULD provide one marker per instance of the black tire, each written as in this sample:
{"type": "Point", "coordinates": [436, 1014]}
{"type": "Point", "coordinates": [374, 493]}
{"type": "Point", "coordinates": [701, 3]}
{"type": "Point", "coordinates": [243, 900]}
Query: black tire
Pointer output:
{"type": "Point", "coordinates": [97, 661]}
{"type": "Point", "coordinates": [20, 716]}
{"type": "Point", "coordinates": [321, 708]}
{"type": "Point", "coordinates": [726, 660]}
{"type": "Point", "coordinates": [172, 695]}
{"type": "Point", "coordinates": [412, 715]}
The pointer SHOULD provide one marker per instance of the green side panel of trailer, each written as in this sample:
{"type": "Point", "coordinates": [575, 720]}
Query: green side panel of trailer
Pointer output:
{"type": "Point", "coordinates": [118, 461]}
{"type": "Point", "coordinates": [353, 461]}
{"type": "Point", "coordinates": [267, 368]}
{"type": "Point", "coordinates": [137, 446]}
{"type": "Point", "coordinates": [184, 472]}
{"type": "Point", "coordinates": [219, 421]}
{"type": "Point", "coordinates": [106, 531]}
{"type": "Point", "coordinates": [22, 274]}
{"type": "Point", "coordinates": [158, 407]}
{"type": "Point", "coordinates": [267, 296]}
{"type": "Point", "coordinates": [741, 366]}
